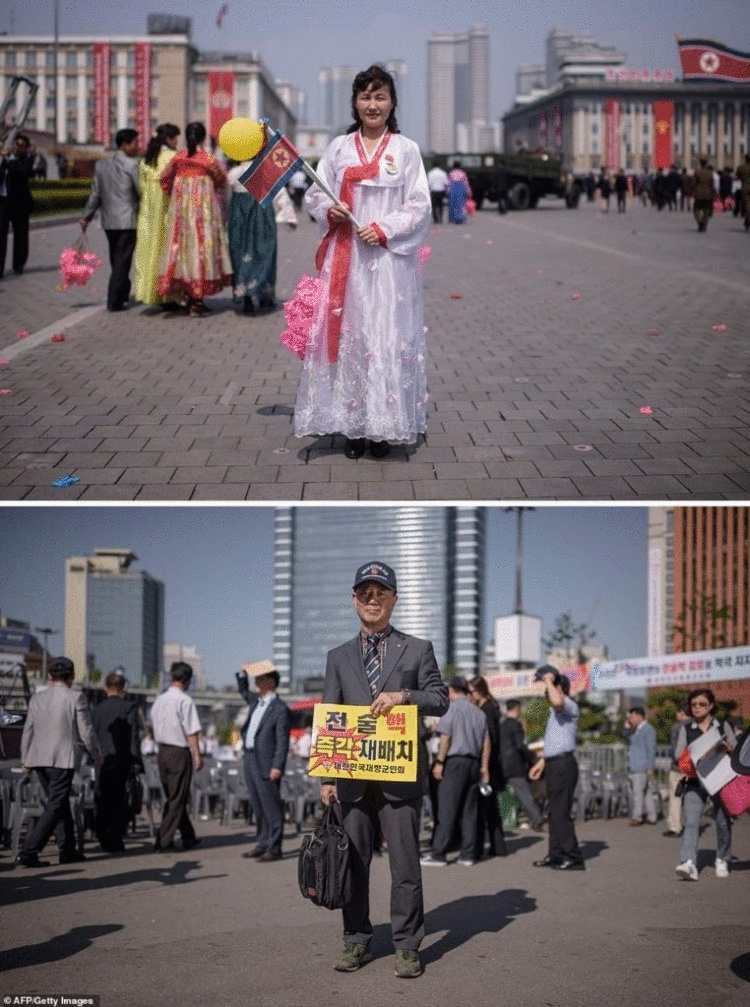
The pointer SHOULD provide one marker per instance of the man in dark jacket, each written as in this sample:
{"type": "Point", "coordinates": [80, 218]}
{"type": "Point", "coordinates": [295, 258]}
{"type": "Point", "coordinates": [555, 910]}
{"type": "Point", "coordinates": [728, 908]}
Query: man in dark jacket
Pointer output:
{"type": "Point", "coordinates": [265, 739]}
{"type": "Point", "coordinates": [115, 722]}
{"type": "Point", "coordinates": [517, 759]}
{"type": "Point", "coordinates": [704, 194]}
{"type": "Point", "coordinates": [16, 169]}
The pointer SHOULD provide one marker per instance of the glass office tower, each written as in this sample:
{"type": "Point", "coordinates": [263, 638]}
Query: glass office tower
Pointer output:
{"type": "Point", "coordinates": [438, 556]}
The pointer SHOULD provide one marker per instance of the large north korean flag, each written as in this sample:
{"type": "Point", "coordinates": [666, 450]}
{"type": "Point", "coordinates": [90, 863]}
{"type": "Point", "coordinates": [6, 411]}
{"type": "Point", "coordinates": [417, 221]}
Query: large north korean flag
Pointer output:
{"type": "Point", "coordinates": [703, 59]}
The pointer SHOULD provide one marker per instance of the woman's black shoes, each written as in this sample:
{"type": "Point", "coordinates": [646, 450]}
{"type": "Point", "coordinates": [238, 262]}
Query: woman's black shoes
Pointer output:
{"type": "Point", "coordinates": [379, 449]}
{"type": "Point", "coordinates": [354, 448]}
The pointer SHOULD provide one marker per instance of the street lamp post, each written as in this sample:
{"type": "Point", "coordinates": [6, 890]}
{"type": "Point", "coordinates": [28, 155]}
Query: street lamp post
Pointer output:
{"type": "Point", "coordinates": [46, 632]}
{"type": "Point", "coordinates": [56, 50]}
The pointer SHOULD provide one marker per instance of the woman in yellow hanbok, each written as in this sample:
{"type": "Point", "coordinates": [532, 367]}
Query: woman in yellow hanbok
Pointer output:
{"type": "Point", "coordinates": [152, 214]}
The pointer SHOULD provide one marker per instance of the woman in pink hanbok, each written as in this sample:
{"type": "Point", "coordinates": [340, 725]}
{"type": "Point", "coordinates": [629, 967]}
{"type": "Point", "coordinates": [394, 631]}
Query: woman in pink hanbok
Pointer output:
{"type": "Point", "coordinates": [364, 370]}
{"type": "Point", "coordinates": [195, 261]}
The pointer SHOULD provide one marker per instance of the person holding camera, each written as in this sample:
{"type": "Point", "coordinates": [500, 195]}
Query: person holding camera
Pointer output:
{"type": "Point", "coordinates": [560, 770]}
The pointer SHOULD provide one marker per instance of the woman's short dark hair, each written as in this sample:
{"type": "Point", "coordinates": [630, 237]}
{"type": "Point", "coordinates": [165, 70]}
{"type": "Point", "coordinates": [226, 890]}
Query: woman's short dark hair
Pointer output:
{"type": "Point", "coordinates": [702, 692]}
{"type": "Point", "coordinates": [195, 134]}
{"type": "Point", "coordinates": [166, 131]}
{"type": "Point", "coordinates": [374, 76]}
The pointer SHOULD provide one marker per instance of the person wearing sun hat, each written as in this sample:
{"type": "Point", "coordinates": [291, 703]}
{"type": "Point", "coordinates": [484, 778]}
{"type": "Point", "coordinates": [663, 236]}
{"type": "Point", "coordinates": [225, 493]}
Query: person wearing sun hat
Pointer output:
{"type": "Point", "coordinates": [265, 744]}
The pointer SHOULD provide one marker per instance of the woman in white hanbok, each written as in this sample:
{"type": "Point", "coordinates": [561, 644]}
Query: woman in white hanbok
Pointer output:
{"type": "Point", "coordinates": [364, 369]}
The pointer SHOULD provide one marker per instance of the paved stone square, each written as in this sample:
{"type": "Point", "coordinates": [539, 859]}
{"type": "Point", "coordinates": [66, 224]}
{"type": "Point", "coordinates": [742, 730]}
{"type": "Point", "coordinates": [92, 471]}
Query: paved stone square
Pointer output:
{"type": "Point", "coordinates": [209, 929]}
{"type": "Point", "coordinates": [584, 356]}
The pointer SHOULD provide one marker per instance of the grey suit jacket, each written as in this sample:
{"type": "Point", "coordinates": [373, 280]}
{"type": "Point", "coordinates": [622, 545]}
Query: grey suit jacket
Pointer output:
{"type": "Point", "coordinates": [115, 192]}
{"type": "Point", "coordinates": [57, 727]}
{"type": "Point", "coordinates": [409, 664]}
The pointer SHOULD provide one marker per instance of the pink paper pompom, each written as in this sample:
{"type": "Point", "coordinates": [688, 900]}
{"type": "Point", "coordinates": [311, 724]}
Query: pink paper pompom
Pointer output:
{"type": "Point", "coordinates": [424, 254]}
{"type": "Point", "coordinates": [77, 267]}
{"type": "Point", "coordinates": [299, 313]}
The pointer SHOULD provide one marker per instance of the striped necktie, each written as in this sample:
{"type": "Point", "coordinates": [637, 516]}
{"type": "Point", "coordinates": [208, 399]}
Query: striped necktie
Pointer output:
{"type": "Point", "coordinates": [372, 661]}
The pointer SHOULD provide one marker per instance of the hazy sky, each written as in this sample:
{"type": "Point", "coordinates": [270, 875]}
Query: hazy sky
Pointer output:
{"type": "Point", "coordinates": [216, 563]}
{"type": "Point", "coordinates": [295, 40]}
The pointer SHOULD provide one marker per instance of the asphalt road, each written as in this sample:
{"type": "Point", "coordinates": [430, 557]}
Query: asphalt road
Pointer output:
{"type": "Point", "coordinates": [209, 929]}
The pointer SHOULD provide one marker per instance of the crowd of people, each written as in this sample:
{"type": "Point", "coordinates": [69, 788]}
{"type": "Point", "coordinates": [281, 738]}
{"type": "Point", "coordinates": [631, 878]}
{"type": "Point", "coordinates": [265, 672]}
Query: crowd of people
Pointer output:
{"type": "Point", "coordinates": [702, 191]}
{"type": "Point", "coordinates": [188, 225]}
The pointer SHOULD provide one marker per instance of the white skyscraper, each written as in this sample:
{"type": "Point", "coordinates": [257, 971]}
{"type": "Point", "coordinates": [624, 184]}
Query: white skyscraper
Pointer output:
{"type": "Point", "coordinates": [458, 91]}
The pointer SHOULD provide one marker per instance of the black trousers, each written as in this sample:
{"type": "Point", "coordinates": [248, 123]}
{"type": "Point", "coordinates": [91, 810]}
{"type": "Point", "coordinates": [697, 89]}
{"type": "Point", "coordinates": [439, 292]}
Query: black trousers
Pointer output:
{"type": "Point", "coordinates": [56, 817]}
{"type": "Point", "coordinates": [112, 815]}
{"type": "Point", "coordinates": [488, 817]}
{"type": "Point", "coordinates": [438, 205]}
{"type": "Point", "coordinates": [561, 775]}
{"type": "Point", "coordinates": [18, 219]}
{"type": "Point", "coordinates": [176, 772]}
{"type": "Point", "coordinates": [458, 802]}
{"type": "Point", "coordinates": [399, 821]}
{"type": "Point", "coordinates": [121, 249]}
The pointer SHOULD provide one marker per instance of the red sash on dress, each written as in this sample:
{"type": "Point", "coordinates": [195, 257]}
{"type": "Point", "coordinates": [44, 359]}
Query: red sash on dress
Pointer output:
{"type": "Point", "coordinates": [344, 235]}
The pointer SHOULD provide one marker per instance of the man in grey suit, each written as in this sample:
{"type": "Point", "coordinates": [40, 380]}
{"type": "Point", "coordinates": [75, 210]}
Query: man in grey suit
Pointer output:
{"type": "Point", "coordinates": [57, 727]}
{"type": "Point", "coordinates": [265, 742]}
{"type": "Point", "coordinates": [641, 764]}
{"type": "Point", "coordinates": [382, 668]}
{"type": "Point", "coordinates": [116, 192]}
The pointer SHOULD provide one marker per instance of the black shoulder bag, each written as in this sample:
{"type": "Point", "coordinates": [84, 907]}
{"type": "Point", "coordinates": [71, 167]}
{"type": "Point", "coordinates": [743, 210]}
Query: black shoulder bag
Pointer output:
{"type": "Point", "coordinates": [323, 868]}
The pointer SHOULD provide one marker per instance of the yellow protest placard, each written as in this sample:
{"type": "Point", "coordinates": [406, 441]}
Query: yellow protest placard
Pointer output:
{"type": "Point", "coordinates": [349, 742]}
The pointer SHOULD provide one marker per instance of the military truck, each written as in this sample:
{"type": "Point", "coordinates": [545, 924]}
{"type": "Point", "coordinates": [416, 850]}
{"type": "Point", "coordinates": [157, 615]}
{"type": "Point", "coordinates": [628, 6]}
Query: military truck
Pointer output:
{"type": "Point", "coordinates": [530, 176]}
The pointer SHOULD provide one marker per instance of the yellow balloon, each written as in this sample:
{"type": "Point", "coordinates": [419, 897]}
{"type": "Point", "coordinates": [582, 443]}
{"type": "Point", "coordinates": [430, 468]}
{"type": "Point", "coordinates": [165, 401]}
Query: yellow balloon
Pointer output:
{"type": "Point", "coordinates": [242, 139]}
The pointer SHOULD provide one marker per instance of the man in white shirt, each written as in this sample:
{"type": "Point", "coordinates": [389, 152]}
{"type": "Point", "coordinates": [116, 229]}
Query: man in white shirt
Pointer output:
{"type": "Point", "coordinates": [176, 729]}
{"type": "Point", "coordinates": [438, 183]}
{"type": "Point", "coordinates": [265, 736]}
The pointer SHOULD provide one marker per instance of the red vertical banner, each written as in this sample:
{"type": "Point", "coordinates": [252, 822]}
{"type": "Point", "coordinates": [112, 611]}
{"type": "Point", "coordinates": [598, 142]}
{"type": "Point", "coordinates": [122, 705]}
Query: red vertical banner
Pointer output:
{"type": "Point", "coordinates": [612, 134]}
{"type": "Point", "coordinates": [220, 99]}
{"type": "Point", "coordinates": [102, 125]}
{"type": "Point", "coordinates": [557, 129]}
{"type": "Point", "coordinates": [143, 93]}
{"type": "Point", "coordinates": [663, 128]}
{"type": "Point", "coordinates": [543, 130]}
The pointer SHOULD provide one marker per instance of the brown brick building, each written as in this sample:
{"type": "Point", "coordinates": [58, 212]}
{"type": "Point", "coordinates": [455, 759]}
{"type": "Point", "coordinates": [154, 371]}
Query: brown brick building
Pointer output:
{"type": "Point", "coordinates": [708, 586]}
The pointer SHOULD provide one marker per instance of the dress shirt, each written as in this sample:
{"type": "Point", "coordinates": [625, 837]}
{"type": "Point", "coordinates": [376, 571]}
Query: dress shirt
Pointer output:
{"type": "Point", "coordinates": [437, 180]}
{"type": "Point", "coordinates": [467, 727]}
{"type": "Point", "coordinates": [252, 728]}
{"type": "Point", "coordinates": [173, 717]}
{"type": "Point", "coordinates": [560, 734]}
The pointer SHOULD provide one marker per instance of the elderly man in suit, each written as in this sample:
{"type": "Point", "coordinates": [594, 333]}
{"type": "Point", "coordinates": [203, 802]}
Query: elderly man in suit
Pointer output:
{"type": "Point", "coordinates": [641, 764]}
{"type": "Point", "coordinates": [57, 727]}
{"type": "Point", "coordinates": [115, 721]}
{"type": "Point", "coordinates": [16, 170]}
{"type": "Point", "coordinates": [265, 743]}
{"type": "Point", "coordinates": [382, 668]}
{"type": "Point", "coordinates": [116, 192]}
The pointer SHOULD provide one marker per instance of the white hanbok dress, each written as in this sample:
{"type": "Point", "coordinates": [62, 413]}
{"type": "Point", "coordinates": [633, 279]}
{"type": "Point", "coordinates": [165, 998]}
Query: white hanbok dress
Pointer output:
{"type": "Point", "coordinates": [364, 371]}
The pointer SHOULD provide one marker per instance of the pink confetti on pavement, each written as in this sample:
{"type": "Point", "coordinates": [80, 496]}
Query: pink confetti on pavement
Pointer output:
{"type": "Point", "coordinates": [540, 272]}
{"type": "Point", "coordinates": [634, 234]}
{"type": "Point", "coordinates": [424, 254]}
{"type": "Point", "coordinates": [719, 328]}
{"type": "Point", "coordinates": [58, 338]}
{"type": "Point", "coordinates": [576, 297]}
{"type": "Point", "coordinates": [5, 391]}
{"type": "Point", "coordinates": [4, 362]}
{"type": "Point", "coordinates": [654, 334]}
{"type": "Point", "coordinates": [457, 297]}
{"type": "Point", "coordinates": [22, 334]}
{"type": "Point", "coordinates": [490, 241]}
{"type": "Point", "coordinates": [646, 410]}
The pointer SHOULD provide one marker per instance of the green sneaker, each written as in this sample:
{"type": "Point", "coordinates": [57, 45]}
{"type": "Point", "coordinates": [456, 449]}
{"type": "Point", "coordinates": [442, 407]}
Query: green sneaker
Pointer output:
{"type": "Point", "coordinates": [408, 965]}
{"type": "Point", "coordinates": [353, 957]}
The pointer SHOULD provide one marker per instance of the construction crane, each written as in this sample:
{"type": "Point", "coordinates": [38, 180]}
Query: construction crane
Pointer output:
{"type": "Point", "coordinates": [9, 128]}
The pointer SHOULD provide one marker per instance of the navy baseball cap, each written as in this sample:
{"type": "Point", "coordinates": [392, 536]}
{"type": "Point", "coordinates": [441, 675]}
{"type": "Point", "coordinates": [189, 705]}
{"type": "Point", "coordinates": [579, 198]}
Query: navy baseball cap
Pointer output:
{"type": "Point", "coordinates": [546, 669]}
{"type": "Point", "coordinates": [380, 573]}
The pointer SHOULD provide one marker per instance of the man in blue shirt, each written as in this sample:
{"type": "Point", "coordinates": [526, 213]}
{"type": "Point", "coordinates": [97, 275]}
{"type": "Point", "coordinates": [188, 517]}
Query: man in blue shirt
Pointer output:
{"type": "Point", "coordinates": [560, 772]}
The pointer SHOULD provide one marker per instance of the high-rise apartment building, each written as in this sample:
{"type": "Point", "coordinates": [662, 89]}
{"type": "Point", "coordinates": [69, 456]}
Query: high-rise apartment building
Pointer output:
{"type": "Point", "coordinates": [438, 555]}
{"type": "Point", "coordinates": [699, 584]}
{"type": "Point", "coordinates": [336, 94]}
{"type": "Point", "coordinates": [114, 616]}
{"type": "Point", "coordinates": [570, 55]}
{"type": "Point", "coordinates": [458, 91]}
